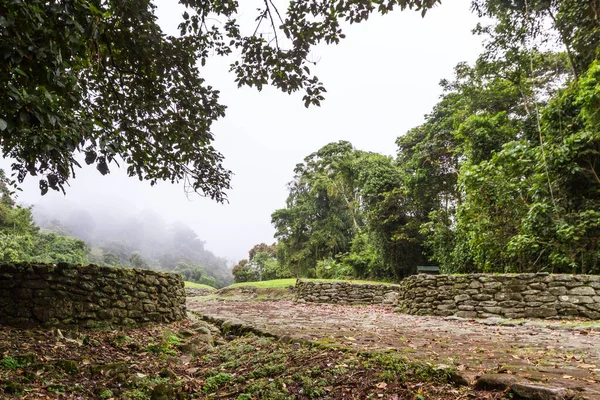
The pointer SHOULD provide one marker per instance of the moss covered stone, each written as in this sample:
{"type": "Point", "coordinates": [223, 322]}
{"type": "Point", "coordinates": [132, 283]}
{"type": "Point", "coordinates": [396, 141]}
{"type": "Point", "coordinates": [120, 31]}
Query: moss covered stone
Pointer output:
{"type": "Point", "coordinates": [68, 366]}
{"type": "Point", "coordinates": [92, 296]}
{"type": "Point", "coordinates": [540, 295]}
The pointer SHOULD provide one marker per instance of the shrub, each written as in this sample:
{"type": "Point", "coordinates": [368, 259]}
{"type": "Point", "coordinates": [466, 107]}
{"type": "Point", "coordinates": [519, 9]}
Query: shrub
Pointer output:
{"type": "Point", "coordinates": [332, 269]}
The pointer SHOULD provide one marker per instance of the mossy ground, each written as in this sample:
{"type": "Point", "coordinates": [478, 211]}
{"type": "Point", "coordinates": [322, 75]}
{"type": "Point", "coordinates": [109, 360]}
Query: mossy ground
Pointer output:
{"type": "Point", "coordinates": [193, 360]}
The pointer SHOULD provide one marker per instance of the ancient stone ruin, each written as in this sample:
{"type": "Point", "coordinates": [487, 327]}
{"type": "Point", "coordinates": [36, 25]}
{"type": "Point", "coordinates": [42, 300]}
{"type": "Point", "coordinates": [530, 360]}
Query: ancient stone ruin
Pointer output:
{"type": "Point", "coordinates": [88, 296]}
{"type": "Point", "coordinates": [346, 292]}
{"type": "Point", "coordinates": [539, 295]}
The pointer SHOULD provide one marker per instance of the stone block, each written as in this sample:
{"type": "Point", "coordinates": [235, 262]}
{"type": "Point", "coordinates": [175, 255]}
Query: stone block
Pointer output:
{"type": "Point", "coordinates": [515, 287]}
{"type": "Point", "coordinates": [582, 291]}
{"type": "Point", "coordinates": [514, 315]}
{"type": "Point", "coordinates": [462, 297]}
{"type": "Point", "coordinates": [540, 298]}
{"type": "Point", "coordinates": [538, 286]}
{"type": "Point", "coordinates": [576, 299]}
{"type": "Point", "coordinates": [530, 292]}
{"type": "Point", "coordinates": [509, 304]}
{"type": "Point", "coordinates": [591, 314]}
{"type": "Point", "coordinates": [489, 303]}
{"type": "Point", "coordinates": [475, 285]}
{"type": "Point", "coordinates": [504, 296]}
{"type": "Point", "coordinates": [492, 285]}
{"type": "Point", "coordinates": [592, 306]}
{"type": "Point", "coordinates": [558, 291]}
{"type": "Point", "coordinates": [533, 304]}
{"type": "Point", "coordinates": [493, 310]}
{"type": "Point", "coordinates": [573, 284]}
{"type": "Point", "coordinates": [542, 312]}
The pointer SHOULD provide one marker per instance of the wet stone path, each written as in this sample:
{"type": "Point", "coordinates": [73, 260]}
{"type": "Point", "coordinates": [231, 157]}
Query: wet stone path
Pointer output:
{"type": "Point", "coordinates": [542, 351]}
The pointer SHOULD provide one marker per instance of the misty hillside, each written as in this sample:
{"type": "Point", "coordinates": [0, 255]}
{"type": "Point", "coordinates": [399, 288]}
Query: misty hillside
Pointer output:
{"type": "Point", "coordinates": [142, 240]}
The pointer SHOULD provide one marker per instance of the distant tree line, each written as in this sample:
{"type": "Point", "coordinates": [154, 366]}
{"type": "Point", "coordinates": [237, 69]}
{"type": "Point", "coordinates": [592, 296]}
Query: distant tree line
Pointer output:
{"type": "Point", "coordinates": [261, 265]}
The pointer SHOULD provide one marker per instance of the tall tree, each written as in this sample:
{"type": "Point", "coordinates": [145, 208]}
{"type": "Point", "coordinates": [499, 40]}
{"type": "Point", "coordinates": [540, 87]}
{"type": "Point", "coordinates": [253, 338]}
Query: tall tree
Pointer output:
{"type": "Point", "coordinates": [322, 211]}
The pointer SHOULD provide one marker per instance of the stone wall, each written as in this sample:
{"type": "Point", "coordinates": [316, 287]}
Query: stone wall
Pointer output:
{"type": "Point", "coordinates": [193, 292]}
{"type": "Point", "coordinates": [87, 296]}
{"type": "Point", "coordinates": [345, 292]}
{"type": "Point", "coordinates": [510, 296]}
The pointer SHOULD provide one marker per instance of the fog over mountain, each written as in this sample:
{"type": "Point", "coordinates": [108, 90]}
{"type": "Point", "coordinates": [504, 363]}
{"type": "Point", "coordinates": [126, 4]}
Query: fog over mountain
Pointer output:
{"type": "Point", "coordinates": [115, 237]}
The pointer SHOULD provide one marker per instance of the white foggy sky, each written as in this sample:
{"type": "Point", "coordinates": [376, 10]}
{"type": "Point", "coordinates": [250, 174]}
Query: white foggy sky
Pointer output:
{"type": "Point", "coordinates": [381, 80]}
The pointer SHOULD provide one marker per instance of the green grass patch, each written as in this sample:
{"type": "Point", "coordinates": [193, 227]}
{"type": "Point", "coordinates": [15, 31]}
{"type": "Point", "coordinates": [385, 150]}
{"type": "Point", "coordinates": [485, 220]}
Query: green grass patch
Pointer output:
{"type": "Point", "coordinates": [215, 382]}
{"type": "Point", "coordinates": [165, 346]}
{"type": "Point", "coordinates": [279, 283]}
{"type": "Point", "coordinates": [194, 285]}
{"type": "Point", "coordinates": [17, 362]}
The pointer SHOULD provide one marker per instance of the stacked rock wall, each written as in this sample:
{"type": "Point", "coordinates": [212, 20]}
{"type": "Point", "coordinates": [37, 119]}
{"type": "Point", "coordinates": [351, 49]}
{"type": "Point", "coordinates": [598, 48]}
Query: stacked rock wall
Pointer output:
{"type": "Point", "coordinates": [345, 292]}
{"type": "Point", "coordinates": [87, 296]}
{"type": "Point", "coordinates": [510, 296]}
{"type": "Point", "coordinates": [193, 292]}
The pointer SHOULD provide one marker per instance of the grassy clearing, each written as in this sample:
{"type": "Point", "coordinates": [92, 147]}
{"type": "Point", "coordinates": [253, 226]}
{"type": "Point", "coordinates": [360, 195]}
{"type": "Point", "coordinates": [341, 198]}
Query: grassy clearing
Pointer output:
{"type": "Point", "coordinates": [278, 283]}
{"type": "Point", "coordinates": [194, 285]}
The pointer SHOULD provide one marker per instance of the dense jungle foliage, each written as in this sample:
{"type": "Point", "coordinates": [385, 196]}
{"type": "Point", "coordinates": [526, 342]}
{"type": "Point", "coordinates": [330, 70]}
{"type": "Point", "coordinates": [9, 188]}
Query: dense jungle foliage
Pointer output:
{"type": "Point", "coordinates": [22, 240]}
{"type": "Point", "coordinates": [503, 175]}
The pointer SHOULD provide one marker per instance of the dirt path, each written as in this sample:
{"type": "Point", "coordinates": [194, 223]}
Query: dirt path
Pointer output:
{"type": "Point", "coordinates": [546, 352]}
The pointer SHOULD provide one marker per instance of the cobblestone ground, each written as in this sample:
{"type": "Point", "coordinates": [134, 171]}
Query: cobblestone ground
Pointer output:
{"type": "Point", "coordinates": [542, 351]}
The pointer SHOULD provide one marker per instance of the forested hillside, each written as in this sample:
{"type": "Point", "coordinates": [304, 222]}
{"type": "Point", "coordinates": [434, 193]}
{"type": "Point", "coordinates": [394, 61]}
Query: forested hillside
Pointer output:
{"type": "Point", "coordinates": [142, 240]}
{"type": "Point", "coordinates": [22, 240]}
{"type": "Point", "coordinates": [503, 175]}
{"type": "Point", "coordinates": [74, 235]}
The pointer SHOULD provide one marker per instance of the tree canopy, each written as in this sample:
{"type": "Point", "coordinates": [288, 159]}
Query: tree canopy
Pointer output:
{"type": "Point", "coordinates": [503, 175]}
{"type": "Point", "coordinates": [98, 78]}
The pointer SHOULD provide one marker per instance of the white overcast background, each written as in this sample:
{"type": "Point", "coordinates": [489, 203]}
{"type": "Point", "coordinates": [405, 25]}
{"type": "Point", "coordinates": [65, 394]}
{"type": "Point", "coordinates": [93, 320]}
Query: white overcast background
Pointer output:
{"type": "Point", "coordinates": [381, 81]}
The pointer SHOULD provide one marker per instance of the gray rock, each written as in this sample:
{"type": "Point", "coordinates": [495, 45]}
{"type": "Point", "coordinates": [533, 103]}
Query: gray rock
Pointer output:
{"type": "Point", "coordinates": [390, 298]}
{"type": "Point", "coordinates": [462, 297]}
{"type": "Point", "coordinates": [543, 312]}
{"type": "Point", "coordinates": [491, 321]}
{"type": "Point", "coordinates": [475, 285]}
{"type": "Point", "coordinates": [558, 291]}
{"type": "Point", "coordinates": [495, 382]}
{"type": "Point", "coordinates": [466, 314]}
{"type": "Point", "coordinates": [536, 391]}
{"type": "Point", "coordinates": [582, 291]}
